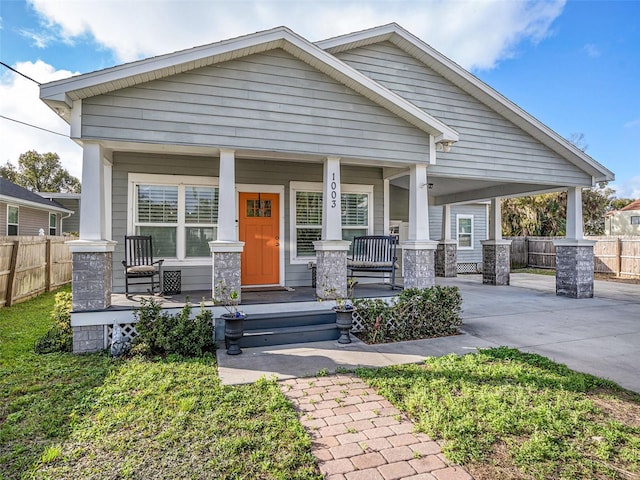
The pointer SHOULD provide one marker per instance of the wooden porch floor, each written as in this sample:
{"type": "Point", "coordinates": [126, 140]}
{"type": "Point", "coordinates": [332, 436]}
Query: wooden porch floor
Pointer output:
{"type": "Point", "coordinates": [119, 301]}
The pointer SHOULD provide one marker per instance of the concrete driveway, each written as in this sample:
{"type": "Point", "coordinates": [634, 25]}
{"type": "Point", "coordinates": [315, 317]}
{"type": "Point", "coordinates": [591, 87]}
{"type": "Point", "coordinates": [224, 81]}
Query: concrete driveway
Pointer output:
{"type": "Point", "coordinates": [600, 335]}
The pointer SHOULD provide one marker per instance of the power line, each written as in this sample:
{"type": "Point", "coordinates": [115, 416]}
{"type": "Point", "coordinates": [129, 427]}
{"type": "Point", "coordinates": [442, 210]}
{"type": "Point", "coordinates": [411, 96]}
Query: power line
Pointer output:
{"type": "Point", "coordinates": [19, 73]}
{"type": "Point", "coordinates": [34, 126]}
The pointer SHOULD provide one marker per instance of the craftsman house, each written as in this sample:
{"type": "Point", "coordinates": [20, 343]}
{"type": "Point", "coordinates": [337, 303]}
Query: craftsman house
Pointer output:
{"type": "Point", "coordinates": [249, 158]}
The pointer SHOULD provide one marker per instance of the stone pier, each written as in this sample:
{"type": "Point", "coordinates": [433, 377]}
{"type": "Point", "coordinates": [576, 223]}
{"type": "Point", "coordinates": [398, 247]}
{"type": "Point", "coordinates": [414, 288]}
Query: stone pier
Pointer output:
{"type": "Point", "coordinates": [447, 259]}
{"type": "Point", "coordinates": [496, 262]}
{"type": "Point", "coordinates": [574, 268]}
{"type": "Point", "coordinates": [418, 263]}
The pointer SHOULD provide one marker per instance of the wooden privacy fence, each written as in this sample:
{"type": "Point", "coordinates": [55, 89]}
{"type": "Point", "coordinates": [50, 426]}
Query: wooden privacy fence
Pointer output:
{"type": "Point", "coordinates": [30, 266]}
{"type": "Point", "coordinates": [619, 255]}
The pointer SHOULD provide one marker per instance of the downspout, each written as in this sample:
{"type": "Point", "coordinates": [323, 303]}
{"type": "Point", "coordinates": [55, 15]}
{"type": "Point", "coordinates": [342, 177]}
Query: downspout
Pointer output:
{"type": "Point", "coordinates": [62, 218]}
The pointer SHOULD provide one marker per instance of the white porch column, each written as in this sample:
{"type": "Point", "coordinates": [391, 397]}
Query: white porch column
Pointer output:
{"type": "Point", "coordinates": [495, 219]}
{"type": "Point", "coordinates": [574, 254]}
{"type": "Point", "coordinates": [496, 252]}
{"type": "Point", "coordinates": [331, 208]}
{"type": "Point", "coordinates": [92, 213]}
{"type": "Point", "coordinates": [447, 251]}
{"type": "Point", "coordinates": [331, 250]}
{"type": "Point", "coordinates": [227, 209]}
{"type": "Point", "coordinates": [418, 252]}
{"type": "Point", "coordinates": [575, 222]}
{"type": "Point", "coordinates": [92, 254]}
{"type": "Point", "coordinates": [226, 251]}
{"type": "Point", "coordinates": [418, 203]}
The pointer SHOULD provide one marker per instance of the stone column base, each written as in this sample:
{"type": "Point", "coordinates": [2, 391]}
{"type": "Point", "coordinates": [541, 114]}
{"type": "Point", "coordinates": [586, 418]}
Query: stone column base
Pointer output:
{"type": "Point", "coordinates": [226, 265]}
{"type": "Point", "coordinates": [496, 262]}
{"type": "Point", "coordinates": [92, 263]}
{"type": "Point", "coordinates": [447, 259]}
{"type": "Point", "coordinates": [574, 268]}
{"type": "Point", "coordinates": [418, 263]}
{"type": "Point", "coordinates": [88, 339]}
{"type": "Point", "coordinates": [331, 269]}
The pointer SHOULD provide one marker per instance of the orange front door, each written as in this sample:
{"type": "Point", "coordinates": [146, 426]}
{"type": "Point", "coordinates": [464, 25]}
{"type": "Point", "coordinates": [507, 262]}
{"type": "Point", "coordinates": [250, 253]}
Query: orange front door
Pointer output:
{"type": "Point", "coordinates": [260, 230]}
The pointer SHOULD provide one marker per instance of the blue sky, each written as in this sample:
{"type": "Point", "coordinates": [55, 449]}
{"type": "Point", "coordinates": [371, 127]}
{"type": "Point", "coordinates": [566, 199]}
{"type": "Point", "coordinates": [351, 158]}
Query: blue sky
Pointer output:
{"type": "Point", "coordinates": [574, 65]}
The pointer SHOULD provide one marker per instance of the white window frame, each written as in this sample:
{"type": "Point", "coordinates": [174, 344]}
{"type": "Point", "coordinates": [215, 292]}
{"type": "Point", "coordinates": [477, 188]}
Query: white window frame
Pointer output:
{"type": "Point", "coordinates": [180, 181]}
{"type": "Point", "coordinates": [55, 225]}
{"type": "Point", "coordinates": [465, 217]}
{"type": "Point", "coordinates": [295, 187]}
{"type": "Point", "coordinates": [16, 224]}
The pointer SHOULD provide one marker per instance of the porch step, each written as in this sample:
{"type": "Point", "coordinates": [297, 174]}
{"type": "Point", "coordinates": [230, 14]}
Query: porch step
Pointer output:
{"type": "Point", "coordinates": [289, 327]}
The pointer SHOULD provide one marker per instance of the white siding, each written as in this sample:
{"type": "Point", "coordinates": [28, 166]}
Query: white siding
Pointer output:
{"type": "Point", "coordinates": [490, 146]}
{"type": "Point", "coordinates": [265, 102]}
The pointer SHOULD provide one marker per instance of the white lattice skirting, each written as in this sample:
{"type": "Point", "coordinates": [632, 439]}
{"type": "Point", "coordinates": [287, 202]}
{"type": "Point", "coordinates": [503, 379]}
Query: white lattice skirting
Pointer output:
{"type": "Point", "coordinates": [128, 333]}
{"type": "Point", "coordinates": [470, 267]}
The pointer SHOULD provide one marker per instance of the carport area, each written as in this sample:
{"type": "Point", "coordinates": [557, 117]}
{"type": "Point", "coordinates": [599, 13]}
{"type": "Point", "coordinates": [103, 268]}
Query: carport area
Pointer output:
{"type": "Point", "coordinates": [599, 335]}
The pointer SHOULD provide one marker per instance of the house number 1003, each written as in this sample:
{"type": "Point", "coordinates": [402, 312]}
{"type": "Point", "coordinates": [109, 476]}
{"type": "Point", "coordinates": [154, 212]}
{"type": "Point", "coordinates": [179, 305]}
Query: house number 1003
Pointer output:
{"type": "Point", "coordinates": [334, 193]}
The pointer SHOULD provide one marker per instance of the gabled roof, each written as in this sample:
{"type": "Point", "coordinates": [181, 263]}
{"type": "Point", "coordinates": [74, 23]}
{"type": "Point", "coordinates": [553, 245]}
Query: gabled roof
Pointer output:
{"type": "Point", "coordinates": [12, 193]}
{"type": "Point", "coordinates": [59, 95]}
{"type": "Point", "coordinates": [475, 87]}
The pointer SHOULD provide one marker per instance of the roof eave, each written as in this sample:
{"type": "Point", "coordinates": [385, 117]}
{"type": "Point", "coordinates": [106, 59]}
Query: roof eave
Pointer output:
{"type": "Point", "coordinates": [32, 204]}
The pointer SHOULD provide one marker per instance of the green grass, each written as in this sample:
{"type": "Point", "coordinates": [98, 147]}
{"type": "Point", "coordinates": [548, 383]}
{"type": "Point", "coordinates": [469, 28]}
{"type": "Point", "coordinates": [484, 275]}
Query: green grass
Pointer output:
{"type": "Point", "coordinates": [67, 416]}
{"type": "Point", "coordinates": [538, 271]}
{"type": "Point", "coordinates": [508, 414]}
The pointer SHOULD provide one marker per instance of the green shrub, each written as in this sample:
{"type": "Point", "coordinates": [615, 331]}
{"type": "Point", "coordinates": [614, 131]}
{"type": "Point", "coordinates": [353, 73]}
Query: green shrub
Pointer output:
{"type": "Point", "coordinates": [163, 333]}
{"type": "Point", "coordinates": [59, 338]}
{"type": "Point", "coordinates": [415, 313]}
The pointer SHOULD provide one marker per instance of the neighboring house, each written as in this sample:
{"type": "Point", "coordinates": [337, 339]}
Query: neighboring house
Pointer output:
{"type": "Point", "coordinates": [625, 221]}
{"type": "Point", "coordinates": [23, 212]}
{"type": "Point", "coordinates": [248, 158]}
{"type": "Point", "coordinates": [71, 201]}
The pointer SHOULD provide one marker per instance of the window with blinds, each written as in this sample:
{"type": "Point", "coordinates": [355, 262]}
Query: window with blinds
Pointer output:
{"type": "Point", "coordinates": [182, 219]}
{"type": "Point", "coordinates": [201, 217]}
{"type": "Point", "coordinates": [308, 219]}
{"type": "Point", "coordinates": [308, 222]}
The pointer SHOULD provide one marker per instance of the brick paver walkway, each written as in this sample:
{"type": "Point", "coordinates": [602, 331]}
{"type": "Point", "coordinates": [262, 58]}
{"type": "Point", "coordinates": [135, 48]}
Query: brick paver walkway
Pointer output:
{"type": "Point", "coordinates": [357, 434]}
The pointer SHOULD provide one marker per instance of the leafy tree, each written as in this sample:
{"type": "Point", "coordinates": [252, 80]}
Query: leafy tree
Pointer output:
{"type": "Point", "coordinates": [545, 215]}
{"type": "Point", "coordinates": [41, 173]}
{"type": "Point", "coordinates": [618, 203]}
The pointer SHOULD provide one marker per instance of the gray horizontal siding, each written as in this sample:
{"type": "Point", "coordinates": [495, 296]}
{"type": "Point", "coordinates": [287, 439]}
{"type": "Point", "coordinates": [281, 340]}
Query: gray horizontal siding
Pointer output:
{"type": "Point", "coordinates": [30, 220]}
{"type": "Point", "coordinates": [265, 102]}
{"type": "Point", "coordinates": [258, 172]}
{"type": "Point", "coordinates": [479, 212]}
{"type": "Point", "coordinates": [490, 146]}
{"type": "Point", "coordinates": [399, 210]}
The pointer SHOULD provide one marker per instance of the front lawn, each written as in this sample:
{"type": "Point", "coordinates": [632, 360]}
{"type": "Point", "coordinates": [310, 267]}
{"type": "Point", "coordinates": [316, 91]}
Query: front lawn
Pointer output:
{"type": "Point", "coordinates": [65, 416]}
{"type": "Point", "coordinates": [510, 415]}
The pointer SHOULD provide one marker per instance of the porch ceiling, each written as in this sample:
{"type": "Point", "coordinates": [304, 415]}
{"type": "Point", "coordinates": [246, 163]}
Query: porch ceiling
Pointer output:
{"type": "Point", "coordinates": [447, 190]}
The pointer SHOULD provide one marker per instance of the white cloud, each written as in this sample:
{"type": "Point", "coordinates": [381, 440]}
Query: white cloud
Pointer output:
{"type": "Point", "coordinates": [474, 34]}
{"type": "Point", "coordinates": [628, 189]}
{"type": "Point", "coordinates": [592, 50]}
{"type": "Point", "coordinates": [20, 101]}
{"type": "Point", "coordinates": [633, 124]}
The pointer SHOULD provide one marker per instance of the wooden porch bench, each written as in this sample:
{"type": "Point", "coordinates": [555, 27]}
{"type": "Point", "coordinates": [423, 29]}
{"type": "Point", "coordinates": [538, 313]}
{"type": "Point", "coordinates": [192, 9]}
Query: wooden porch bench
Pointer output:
{"type": "Point", "coordinates": [373, 254]}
